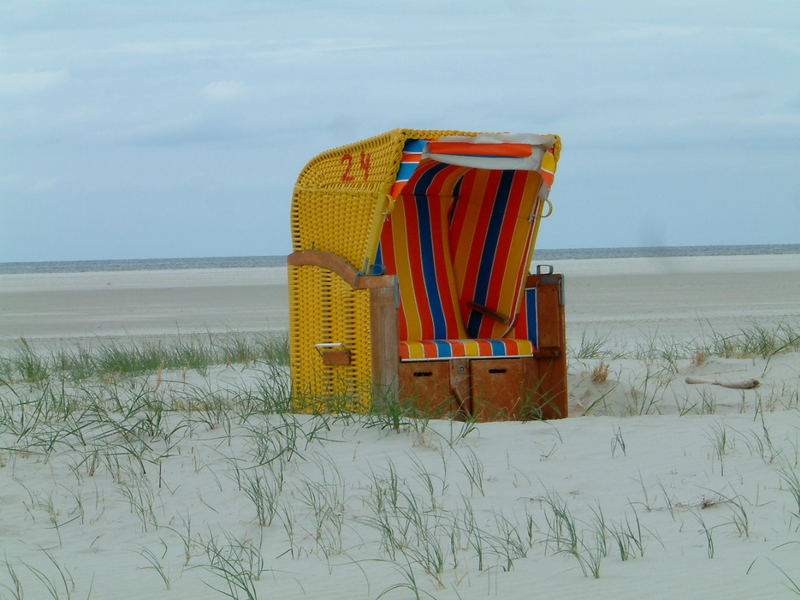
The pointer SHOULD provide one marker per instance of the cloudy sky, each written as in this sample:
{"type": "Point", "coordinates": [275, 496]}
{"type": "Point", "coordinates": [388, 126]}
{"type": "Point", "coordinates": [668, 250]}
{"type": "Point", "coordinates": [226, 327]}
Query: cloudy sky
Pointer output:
{"type": "Point", "coordinates": [176, 129]}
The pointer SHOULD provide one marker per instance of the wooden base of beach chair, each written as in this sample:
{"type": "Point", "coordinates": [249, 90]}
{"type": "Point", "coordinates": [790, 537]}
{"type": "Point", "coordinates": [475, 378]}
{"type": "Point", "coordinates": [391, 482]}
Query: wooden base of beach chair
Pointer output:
{"type": "Point", "coordinates": [498, 388]}
{"type": "Point", "coordinates": [426, 386]}
{"type": "Point", "coordinates": [518, 389]}
{"type": "Point", "coordinates": [546, 374]}
{"type": "Point", "coordinates": [495, 389]}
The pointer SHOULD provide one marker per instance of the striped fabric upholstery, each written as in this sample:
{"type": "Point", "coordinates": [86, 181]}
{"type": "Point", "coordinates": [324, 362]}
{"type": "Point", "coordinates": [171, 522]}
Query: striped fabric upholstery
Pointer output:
{"type": "Point", "coordinates": [491, 236]}
{"type": "Point", "coordinates": [481, 348]}
{"type": "Point", "coordinates": [412, 154]}
{"type": "Point", "coordinates": [415, 246]}
{"type": "Point", "coordinates": [459, 234]}
{"type": "Point", "coordinates": [526, 326]}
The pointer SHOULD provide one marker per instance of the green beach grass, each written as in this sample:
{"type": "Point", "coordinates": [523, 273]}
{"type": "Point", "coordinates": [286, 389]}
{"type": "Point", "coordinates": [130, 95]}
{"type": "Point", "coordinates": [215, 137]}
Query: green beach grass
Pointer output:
{"type": "Point", "coordinates": [78, 363]}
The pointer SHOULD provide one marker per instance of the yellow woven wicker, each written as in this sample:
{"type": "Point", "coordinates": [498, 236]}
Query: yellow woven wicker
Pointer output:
{"type": "Point", "coordinates": [339, 206]}
{"type": "Point", "coordinates": [324, 309]}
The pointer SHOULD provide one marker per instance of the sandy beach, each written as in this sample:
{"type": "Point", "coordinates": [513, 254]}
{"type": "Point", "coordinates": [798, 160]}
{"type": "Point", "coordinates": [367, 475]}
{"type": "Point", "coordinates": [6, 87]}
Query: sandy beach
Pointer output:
{"type": "Point", "coordinates": [624, 299]}
{"type": "Point", "coordinates": [200, 484]}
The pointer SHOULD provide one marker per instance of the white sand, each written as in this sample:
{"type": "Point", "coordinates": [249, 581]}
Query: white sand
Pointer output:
{"type": "Point", "coordinates": [87, 307]}
{"type": "Point", "coordinates": [620, 298]}
{"type": "Point", "coordinates": [626, 299]}
{"type": "Point", "coordinates": [711, 490]}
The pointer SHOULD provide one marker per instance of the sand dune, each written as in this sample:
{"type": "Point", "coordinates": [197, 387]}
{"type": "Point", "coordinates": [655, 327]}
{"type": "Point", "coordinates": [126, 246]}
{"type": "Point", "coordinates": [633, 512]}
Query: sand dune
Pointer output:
{"type": "Point", "coordinates": [189, 484]}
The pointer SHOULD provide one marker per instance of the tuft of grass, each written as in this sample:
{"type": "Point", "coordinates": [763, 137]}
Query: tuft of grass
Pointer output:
{"type": "Point", "coordinates": [644, 399]}
{"type": "Point", "coordinates": [699, 358]}
{"type": "Point", "coordinates": [792, 480]}
{"type": "Point", "coordinates": [16, 589]}
{"type": "Point", "coordinates": [409, 583]}
{"type": "Point", "coordinates": [709, 535]}
{"type": "Point", "coordinates": [628, 537]}
{"type": "Point", "coordinates": [755, 340]}
{"type": "Point", "coordinates": [721, 442]}
{"type": "Point", "coordinates": [760, 443]}
{"type": "Point", "coordinates": [600, 372]}
{"type": "Point", "coordinates": [264, 493]}
{"type": "Point", "coordinates": [238, 564]}
{"type": "Point", "coordinates": [563, 536]}
{"type": "Point", "coordinates": [473, 470]}
{"type": "Point", "coordinates": [618, 443]}
{"type": "Point", "coordinates": [30, 366]}
{"type": "Point", "coordinates": [389, 411]}
{"type": "Point", "coordinates": [155, 564]}
{"type": "Point", "coordinates": [591, 347]}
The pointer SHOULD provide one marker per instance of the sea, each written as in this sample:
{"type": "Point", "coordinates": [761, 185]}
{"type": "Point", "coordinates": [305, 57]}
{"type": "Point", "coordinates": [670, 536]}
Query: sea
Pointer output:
{"type": "Point", "coordinates": [226, 262]}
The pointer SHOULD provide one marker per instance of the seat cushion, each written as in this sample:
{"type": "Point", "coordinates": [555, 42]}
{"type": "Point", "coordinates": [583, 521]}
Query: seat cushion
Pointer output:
{"type": "Point", "coordinates": [481, 348]}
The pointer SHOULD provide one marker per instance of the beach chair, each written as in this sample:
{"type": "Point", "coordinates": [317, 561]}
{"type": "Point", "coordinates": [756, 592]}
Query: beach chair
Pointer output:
{"type": "Point", "coordinates": [409, 277]}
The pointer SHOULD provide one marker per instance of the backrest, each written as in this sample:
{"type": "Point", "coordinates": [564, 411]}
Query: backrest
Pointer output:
{"type": "Point", "coordinates": [415, 245]}
{"type": "Point", "coordinates": [491, 237]}
{"type": "Point", "coordinates": [460, 240]}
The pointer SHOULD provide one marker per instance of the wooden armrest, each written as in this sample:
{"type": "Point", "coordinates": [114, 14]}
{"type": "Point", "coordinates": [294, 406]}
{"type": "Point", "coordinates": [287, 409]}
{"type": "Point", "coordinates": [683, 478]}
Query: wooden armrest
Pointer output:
{"type": "Point", "coordinates": [337, 264]}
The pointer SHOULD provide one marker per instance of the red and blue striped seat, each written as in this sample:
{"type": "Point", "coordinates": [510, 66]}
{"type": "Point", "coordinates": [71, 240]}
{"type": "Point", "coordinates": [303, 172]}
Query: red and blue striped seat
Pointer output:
{"type": "Point", "coordinates": [480, 348]}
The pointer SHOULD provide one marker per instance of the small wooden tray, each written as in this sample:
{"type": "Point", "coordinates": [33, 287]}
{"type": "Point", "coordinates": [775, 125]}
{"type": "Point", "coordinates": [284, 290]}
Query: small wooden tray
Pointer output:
{"type": "Point", "coordinates": [334, 354]}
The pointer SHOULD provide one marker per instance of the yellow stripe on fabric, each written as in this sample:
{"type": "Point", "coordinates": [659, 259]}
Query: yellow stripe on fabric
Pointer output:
{"type": "Point", "coordinates": [404, 277]}
{"type": "Point", "coordinates": [524, 347]}
{"type": "Point", "coordinates": [549, 162]}
{"type": "Point", "coordinates": [471, 348]}
{"type": "Point", "coordinates": [416, 350]}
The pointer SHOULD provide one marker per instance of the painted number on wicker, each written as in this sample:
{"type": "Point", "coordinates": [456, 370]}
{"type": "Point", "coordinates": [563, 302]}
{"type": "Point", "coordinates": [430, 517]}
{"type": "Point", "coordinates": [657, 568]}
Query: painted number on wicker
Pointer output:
{"type": "Point", "coordinates": [347, 160]}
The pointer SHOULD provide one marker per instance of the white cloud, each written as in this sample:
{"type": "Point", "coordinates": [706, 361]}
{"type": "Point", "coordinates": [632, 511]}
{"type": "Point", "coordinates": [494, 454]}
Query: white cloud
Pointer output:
{"type": "Point", "coordinates": [224, 90]}
{"type": "Point", "coordinates": [32, 82]}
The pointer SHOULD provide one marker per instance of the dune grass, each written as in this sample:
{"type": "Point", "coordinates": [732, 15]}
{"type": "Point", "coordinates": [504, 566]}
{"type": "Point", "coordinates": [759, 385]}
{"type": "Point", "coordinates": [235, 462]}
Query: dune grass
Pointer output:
{"type": "Point", "coordinates": [749, 341]}
{"type": "Point", "coordinates": [78, 363]}
{"type": "Point", "coordinates": [754, 340]}
{"type": "Point", "coordinates": [430, 515]}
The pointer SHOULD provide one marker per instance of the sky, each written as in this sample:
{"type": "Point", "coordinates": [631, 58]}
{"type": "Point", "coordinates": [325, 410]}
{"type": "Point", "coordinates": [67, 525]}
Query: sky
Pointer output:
{"type": "Point", "coordinates": [157, 129]}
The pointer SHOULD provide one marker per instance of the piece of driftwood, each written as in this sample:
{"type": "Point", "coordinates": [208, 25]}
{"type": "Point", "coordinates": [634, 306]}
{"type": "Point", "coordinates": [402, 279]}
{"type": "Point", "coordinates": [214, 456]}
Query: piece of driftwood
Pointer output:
{"type": "Point", "coordinates": [746, 384]}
